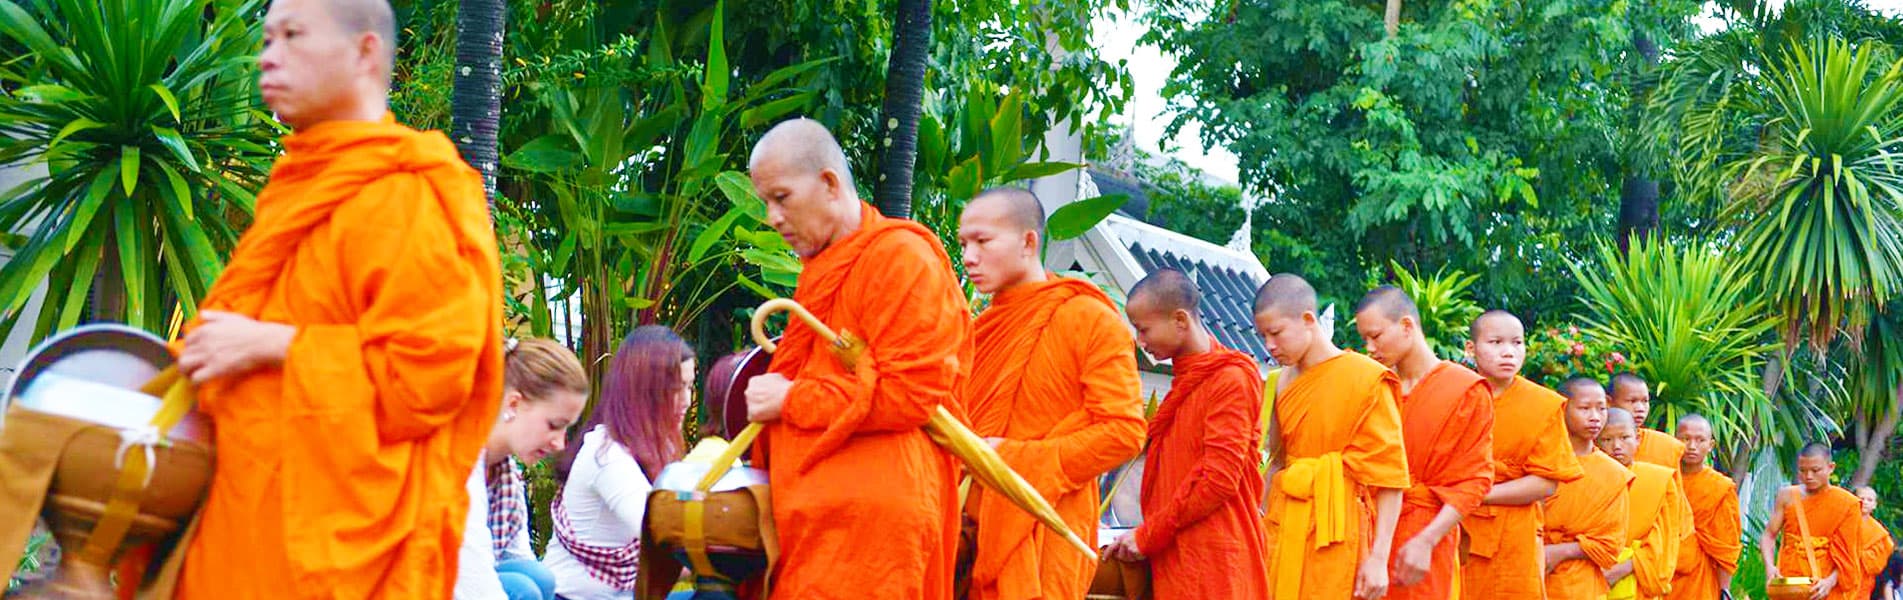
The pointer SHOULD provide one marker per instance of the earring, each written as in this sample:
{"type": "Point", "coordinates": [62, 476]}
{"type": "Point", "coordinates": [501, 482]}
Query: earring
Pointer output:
{"type": "Point", "coordinates": [508, 416]}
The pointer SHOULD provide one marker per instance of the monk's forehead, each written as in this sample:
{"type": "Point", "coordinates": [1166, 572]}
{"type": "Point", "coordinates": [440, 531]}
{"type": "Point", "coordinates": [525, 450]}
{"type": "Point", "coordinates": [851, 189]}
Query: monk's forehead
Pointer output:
{"type": "Point", "coordinates": [1498, 324]}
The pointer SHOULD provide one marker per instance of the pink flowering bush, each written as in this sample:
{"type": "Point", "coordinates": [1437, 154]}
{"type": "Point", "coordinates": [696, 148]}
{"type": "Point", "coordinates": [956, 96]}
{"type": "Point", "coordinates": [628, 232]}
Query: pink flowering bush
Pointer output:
{"type": "Point", "coordinates": [1554, 354]}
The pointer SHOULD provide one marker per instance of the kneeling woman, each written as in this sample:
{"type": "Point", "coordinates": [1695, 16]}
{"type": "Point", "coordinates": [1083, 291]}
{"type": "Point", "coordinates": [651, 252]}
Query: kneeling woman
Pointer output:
{"type": "Point", "coordinates": [634, 433]}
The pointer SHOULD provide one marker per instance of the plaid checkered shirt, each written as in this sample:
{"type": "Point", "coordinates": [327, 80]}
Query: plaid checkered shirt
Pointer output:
{"type": "Point", "coordinates": [611, 565]}
{"type": "Point", "coordinates": [508, 503]}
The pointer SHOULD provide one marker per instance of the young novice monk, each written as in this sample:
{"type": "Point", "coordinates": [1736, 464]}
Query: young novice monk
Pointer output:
{"type": "Point", "coordinates": [1201, 531]}
{"type": "Point", "coordinates": [1447, 424]}
{"type": "Point", "coordinates": [1706, 562]}
{"type": "Point", "coordinates": [1586, 520]}
{"type": "Point", "coordinates": [1834, 517]}
{"type": "Point", "coordinates": [1530, 458]}
{"type": "Point", "coordinates": [1338, 429]}
{"type": "Point", "coordinates": [1660, 518]}
{"type": "Point", "coordinates": [1629, 392]}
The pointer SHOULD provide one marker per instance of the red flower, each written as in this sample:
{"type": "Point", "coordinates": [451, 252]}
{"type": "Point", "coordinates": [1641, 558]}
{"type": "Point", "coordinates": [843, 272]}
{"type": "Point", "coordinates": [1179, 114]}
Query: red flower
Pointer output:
{"type": "Point", "coordinates": [1571, 330]}
{"type": "Point", "coordinates": [1579, 349]}
{"type": "Point", "coordinates": [1618, 359]}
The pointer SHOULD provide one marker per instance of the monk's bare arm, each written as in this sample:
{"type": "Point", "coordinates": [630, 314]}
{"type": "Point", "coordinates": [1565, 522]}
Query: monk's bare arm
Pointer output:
{"type": "Point", "coordinates": [1387, 512]}
{"type": "Point", "coordinates": [914, 327]}
{"type": "Point", "coordinates": [1228, 455]}
{"type": "Point", "coordinates": [1559, 553]}
{"type": "Point", "coordinates": [1521, 492]}
{"type": "Point", "coordinates": [1767, 541]}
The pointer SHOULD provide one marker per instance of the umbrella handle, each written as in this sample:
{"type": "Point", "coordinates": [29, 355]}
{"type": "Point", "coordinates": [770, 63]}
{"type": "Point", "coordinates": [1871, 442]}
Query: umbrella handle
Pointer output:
{"type": "Point", "coordinates": [777, 305]}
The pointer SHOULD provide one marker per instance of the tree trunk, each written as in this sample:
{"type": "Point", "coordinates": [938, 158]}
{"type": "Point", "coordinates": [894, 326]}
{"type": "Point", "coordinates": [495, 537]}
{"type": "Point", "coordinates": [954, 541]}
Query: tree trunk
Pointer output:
{"type": "Point", "coordinates": [1870, 451]}
{"type": "Point", "coordinates": [1392, 19]}
{"type": "Point", "coordinates": [904, 100]}
{"type": "Point", "coordinates": [1638, 209]}
{"type": "Point", "coordinates": [475, 110]}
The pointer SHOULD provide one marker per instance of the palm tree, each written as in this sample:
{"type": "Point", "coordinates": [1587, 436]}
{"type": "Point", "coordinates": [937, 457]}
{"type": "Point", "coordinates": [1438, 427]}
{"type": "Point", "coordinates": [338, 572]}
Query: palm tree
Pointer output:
{"type": "Point", "coordinates": [904, 101]}
{"type": "Point", "coordinates": [147, 120]}
{"type": "Point", "coordinates": [476, 102]}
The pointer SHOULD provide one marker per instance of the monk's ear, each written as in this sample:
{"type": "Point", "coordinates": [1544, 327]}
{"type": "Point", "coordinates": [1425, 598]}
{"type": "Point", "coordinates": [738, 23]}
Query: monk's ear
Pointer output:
{"type": "Point", "coordinates": [830, 179]}
{"type": "Point", "coordinates": [1031, 242]}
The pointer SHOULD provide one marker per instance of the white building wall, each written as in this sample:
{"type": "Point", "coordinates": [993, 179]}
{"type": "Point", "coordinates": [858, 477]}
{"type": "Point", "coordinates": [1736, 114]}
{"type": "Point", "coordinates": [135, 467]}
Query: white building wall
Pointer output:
{"type": "Point", "coordinates": [13, 350]}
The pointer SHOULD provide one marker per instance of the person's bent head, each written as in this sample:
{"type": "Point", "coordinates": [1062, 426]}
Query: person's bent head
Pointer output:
{"type": "Point", "coordinates": [544, 389]}
{"type": "Point", "coordinates": [1814, 467]}
{"type": "Point", "coordinates": [1390, 323]}
{"type": "Point", "coordinates": [1165, 309]}
{"type": "Point", "coordinates": [1001, 234]}
{"type": "Point", "coordinates": [1286, 316]}
{"type": "Point", "coordinates": [644, 396]}
{"type": "Point", "coordinates": [327, 60]}
{"type": "Point", "coordinates": [800, 172]}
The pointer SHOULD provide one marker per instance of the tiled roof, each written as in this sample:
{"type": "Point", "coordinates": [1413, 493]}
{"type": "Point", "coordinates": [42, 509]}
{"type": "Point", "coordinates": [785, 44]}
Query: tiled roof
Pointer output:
{"type": "Point", "coordinates": [1228, 297]}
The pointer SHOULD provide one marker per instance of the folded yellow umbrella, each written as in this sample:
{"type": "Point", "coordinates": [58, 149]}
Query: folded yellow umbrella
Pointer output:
{"type": "Point", "coordinates": [980, 459]}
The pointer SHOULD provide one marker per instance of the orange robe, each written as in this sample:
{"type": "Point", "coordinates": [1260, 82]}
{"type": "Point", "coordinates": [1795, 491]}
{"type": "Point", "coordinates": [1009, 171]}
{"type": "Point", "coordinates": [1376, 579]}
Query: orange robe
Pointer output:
{"type": "Point", "coordinates": [1717, 541]}
{"type": "Point", "coordinates": [1341, 438]}
{"type": "Point", "coordinates": [1658, 448]}
{"type": "Point", "coordinates": [1447, 423]}
{"type": "Point", "coordinates": [1056, 377]}
{"type": "Point", "coordinates": [1873, 554]}
{"type": "Point", "coordinates": [1594, 511]}
{"type": "Point", "coordinates": [1505, 560]}
{"type": "Point", "coordinates": [1201, 529]}
{"type": "Point", "coordinates": [864, 501]}
{"type": "Point", "coordinates": [340, 474]}
{"type": "Point", "coordinates": [1836, 524]}
{"type": "Point", "coordinates": [1660, 524]}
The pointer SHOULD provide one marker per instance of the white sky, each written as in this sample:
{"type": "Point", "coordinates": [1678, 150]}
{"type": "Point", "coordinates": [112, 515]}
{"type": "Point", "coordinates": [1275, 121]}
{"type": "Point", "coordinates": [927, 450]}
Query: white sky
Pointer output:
{"type": "Point", "coordinates": [1149, 69]}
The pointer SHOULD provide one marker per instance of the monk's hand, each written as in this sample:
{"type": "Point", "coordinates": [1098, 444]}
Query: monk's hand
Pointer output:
{"type": "Point", "coordinates": [1821, 589]}
{"type": "Point", "coordinates": [1372, 582]}
{"type": "Point", "coordinates": [766, 395]}
{"type": "Point", "coordinates": [1413, 562]}
{"type": "Point", "coordinates": [995, 442]}
{"type": "Point", "coordinates": [1125, 548]}
{"type": "Point", "coordinates": [226, 344]}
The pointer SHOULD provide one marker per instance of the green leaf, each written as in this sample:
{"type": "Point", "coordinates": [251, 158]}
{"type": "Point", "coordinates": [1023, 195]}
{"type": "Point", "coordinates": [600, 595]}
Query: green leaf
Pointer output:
{"type": "Point", "coordinates": [1036, 170]}
{"type": "Point", "coordinates": [737, 188]}
{"type": "Point", "coordinates": [547, 154]}
{"type": "Point", "coordinates": [641, 204]}
{"type": "Point", "coordinates": [76, 126]}
{"type": "Point", "coordinates": [1072, 220]}
{"type": "Point", "coordinates": [714, 87]}
{"type": "Point", "coordinates": [772, 80]}
{"type": "Point", "coordinates": [772, 111]}
{"type": "Point", "coordinates": [133, 262]}
{"type": "Point", "coordinates": [635, 303]}
{"type": "Point", "coordinates": [129, 168]}
{"type": "Point", "coordinates": [85, 270]}
{"type": "Point", "coordinates": [170, 138]}
{"type": "Point", "coordinates": [96, 195]}
{"type": "Point", "coordinates": [564, 251]}
{"type": "Point", "coordinates": [171, 102]}
{"type": "Point", "coordinates": [50, 94]}
{"type": "Point", "coordinates": [712, 234]}
{"type": "Point", "coordinates": [178, 189]}
{"type": "Point", "coordinates": [1007, 133]}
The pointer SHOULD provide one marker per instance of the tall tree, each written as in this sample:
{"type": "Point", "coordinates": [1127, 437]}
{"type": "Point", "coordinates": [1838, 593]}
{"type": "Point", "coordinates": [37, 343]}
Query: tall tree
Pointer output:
{"type": "Point", "coordinates": [904, 101]}
{"type": "Point", "coordinates": [476, 102]}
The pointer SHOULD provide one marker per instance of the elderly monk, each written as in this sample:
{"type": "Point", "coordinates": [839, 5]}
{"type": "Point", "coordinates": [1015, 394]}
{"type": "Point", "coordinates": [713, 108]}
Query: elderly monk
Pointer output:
{"type": "Point", "coordinates": [1586, 520]}
{"type": "Point", "coordinates": [1201, 531]}
{"type": "Point", "coordinates": [351, 352]}
{"type": "Point", "coordinates": [1054, 388]}
{"type": "Point", "coordinates": [864, 501]}
{"type": "Point", "coordinates": [1660, 518]}
{"type": "Point", "coordinates": [1833, 518]}
{"type": "Point", "coordinates": [1631, 393]}
{"type": "Point", "coordinates": [1876, 545]}
{"type": "Point", "coordinates": [1707, 561]}
{"type": "Point", "coordinates": [1447, 426]}
{"type": "Point", "coordinates": [1338, 433]}
{"type": "Point", "coordinates": [1530, 459]}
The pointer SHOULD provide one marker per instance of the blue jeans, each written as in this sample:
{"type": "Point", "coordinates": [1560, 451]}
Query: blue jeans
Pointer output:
{"type": "Point", "coordinates": [524, 579]}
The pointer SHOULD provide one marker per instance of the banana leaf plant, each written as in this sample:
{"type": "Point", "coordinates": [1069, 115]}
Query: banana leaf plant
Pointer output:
{"type": "Point", "coordinates": [145, 126]}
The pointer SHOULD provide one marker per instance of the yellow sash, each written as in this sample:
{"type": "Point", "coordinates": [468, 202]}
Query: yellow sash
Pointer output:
{"type": "Point", "coordinates": [1316, 499]}
{"type": "Point", "coordinates": [1268, 421]}
{"type": "Point", "coordinates": [1627, 588]}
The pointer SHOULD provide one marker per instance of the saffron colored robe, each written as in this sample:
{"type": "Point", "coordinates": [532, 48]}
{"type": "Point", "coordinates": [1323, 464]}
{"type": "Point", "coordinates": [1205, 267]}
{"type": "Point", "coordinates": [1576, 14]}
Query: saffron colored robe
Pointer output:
{"type": "Point", "coordinates": [340, 473]}
{"type": "Point", "coordinates": [1659, 526]}
{"type": "Point", "coordinates": [1873, 554]}
{"type": "Point", "coordinates": [1836, 527]}
{"type": "Point", "coordinates": [1658, 448]}
{"type": "Point", "coordinates": [864, 502]}
{"type": "Point", "coordinates": [1341, 437]}
{"type": "Point", "coordinates": [1056, 377]}
{"type": "Point", "coordinates": [1447, 423]}
{"type": "Point", "coordinates": [1594, 511]}
{"type": "Point", "coordinates": [1718, 531]}
{"type": "Point", "coordinates": [1505, 558]}
{"type": "Point", "coordinates": [1201, 530]}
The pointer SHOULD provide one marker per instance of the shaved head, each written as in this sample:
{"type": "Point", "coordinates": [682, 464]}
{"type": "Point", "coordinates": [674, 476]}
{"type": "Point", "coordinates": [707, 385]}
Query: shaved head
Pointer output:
{"type": "Point", "coordinates": [372, 17]}
{"type": "Point", "coordinates": [1619, 417]}
{"type": "Point", "coordinates": [1691, 419]}
{"type": "Point", "coordinates": [1286, 294]}
{"type": "Point", "coordinates": [805, 147]}
{"type": "Point", "coordinates": [1489, 318]}
{"type": "Point", "coordinates": [1020, 207]}
{"type": "Point", "coordinates": [1626, 379]}
{"type": "Point", "coordinates": [1573, 388]}
{"type": "Point", "coordinates": [1168, 289]}
{"type": "Point", "coordinates": [1815, 450]}
{"type": "Point", "coordinates": [1390, 302]}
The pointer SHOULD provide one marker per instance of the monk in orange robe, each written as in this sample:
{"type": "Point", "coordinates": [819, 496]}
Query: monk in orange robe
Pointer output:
{"type": "Point", "coordinates": [1834, 519]}
{"type": "Point", "coordinates": [1530, 460]}
{"type": "Point", "coordinates": [1201, 531]}
{"type": "Point", "coordinates": [1632, 394]}
{"type": "Point", "coordinates": [1707, 561]}
{"type": "Point", "coordinates": [1587, 519]}
{"type": "Point", "coordinates": [1054, 388]}
{"type": "Point", "coordinates": [864, 502]}
{"type": "Point", "coordinates": [1339, 443]}
{"type": "Point", "coordinates": [1660, 522]}
{"type": "Point", "coordinates": [351, 352]}
{"type": "Point", "coordinates": [1447, 426]}
{"type": "Point", "coordinates": [1874, 551]}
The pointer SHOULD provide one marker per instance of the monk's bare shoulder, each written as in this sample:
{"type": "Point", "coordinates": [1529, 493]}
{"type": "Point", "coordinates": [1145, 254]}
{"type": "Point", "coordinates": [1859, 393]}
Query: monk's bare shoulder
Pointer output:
{"type": "Point", "coordinates": [1788, 494]}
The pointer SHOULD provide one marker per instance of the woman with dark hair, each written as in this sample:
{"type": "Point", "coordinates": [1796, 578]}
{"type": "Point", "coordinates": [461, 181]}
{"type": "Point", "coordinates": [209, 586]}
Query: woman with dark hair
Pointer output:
{"type": "Point", "coordinates": [634, 433]}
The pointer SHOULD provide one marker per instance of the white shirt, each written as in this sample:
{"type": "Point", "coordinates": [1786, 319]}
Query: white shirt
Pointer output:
{"type": "Point", "coordinates": [476, 558]}
{"type": "Point", "coordinates": [606, 497]}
